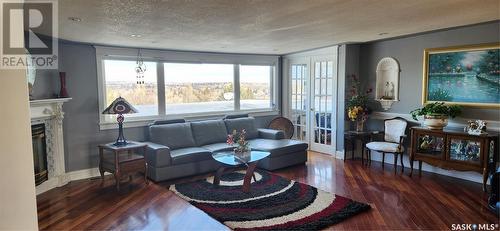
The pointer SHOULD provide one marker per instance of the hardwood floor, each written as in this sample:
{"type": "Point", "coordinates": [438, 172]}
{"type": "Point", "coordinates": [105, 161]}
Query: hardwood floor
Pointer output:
{"type": "Point", "coordinates": [398, 201]}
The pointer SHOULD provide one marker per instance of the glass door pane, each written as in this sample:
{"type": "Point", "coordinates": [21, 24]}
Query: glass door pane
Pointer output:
{"type": "Point", "coordinates": [299, 81]}
{"type": "Point", "coordinates": [431, 145]}
{"type": "Point", "coordinates": [464, 149]}
{"type": "Point", "coordinates": [322, 110]}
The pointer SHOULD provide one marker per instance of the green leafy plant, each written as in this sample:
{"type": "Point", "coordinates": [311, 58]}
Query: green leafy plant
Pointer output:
{"type": "Point", "coordinates": [437, 108]}
{"type": "Point", "coordinates": [358, 97]}
{"type": "Point", "coordinates": [357, 104]}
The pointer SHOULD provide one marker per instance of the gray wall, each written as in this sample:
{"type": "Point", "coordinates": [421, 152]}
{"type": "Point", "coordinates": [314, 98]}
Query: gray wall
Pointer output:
{"type": "Point", "coordinates": [409, 52]}
{"type": "Point", "coordinates": [81, 122]}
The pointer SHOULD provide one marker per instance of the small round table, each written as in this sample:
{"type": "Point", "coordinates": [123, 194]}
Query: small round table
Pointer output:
{"type": "Point", "coordinates": [230, 160]}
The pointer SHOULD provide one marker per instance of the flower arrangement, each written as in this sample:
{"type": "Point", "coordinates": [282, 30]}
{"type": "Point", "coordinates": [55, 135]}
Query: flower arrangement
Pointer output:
{"type": "Point", "coordinates": [238, 139]}
{"type": "Point", "coordinates": [357, 112]}
{"type": "Point", "coordinates": [357, 108]}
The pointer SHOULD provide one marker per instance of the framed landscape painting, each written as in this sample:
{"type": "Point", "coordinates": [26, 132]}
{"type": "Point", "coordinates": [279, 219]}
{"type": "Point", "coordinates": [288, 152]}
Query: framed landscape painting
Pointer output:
{"type": "Point", "coordinates": [465, 75]}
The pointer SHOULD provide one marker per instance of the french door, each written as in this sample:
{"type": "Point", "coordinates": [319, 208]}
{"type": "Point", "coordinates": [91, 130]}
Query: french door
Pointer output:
{"type": "Point", "coordinates": [313, 101]}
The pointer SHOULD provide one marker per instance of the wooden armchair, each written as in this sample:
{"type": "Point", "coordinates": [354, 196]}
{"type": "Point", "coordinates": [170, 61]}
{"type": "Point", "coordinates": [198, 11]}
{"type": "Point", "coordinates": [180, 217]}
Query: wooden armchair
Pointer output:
{"type": "Point", "coordinates": [394, 135]}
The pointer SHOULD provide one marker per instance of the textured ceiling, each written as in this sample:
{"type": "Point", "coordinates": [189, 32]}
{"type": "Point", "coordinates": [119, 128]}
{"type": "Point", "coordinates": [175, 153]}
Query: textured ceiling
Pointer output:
{"type": "Point", "coordinates": [260, 26]}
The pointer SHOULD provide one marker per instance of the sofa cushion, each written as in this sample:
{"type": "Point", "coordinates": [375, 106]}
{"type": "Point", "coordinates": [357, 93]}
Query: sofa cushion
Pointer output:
{"type": "Point", "coordinates": [209, 131]}
{"type": "Point", "coordinates": [234, 116]}
{"type": "Point", "coordinates": [218, 147]}
{"type": "Point", "coordinates": [278, 147]}
{"type": "Point", "coordinates": [273, 134]}
{"type": "Point", "coordinates": [171, 121]}
{"type": "Point", "coordinates": [174, 136]}
{"type": "Point", "coordinates": [189, 155]}
{"type": "Point", "coordinates": [238, 124]}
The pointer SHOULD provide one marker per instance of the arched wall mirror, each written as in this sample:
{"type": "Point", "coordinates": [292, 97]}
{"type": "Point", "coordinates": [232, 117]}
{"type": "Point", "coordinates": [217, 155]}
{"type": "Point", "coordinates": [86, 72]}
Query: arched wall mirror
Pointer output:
{"type": "Point", "coordinates": [387, 82]}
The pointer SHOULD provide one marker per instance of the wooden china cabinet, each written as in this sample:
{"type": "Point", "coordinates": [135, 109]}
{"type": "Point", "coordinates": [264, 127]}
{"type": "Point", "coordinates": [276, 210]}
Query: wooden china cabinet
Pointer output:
{"type": "Point", "coordinates": [454, 150]}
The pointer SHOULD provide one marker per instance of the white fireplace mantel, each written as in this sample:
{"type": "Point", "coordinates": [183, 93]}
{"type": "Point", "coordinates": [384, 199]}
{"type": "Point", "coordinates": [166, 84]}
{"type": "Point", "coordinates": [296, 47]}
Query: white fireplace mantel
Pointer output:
{"type": "Point", "coordinates": [50, 113]}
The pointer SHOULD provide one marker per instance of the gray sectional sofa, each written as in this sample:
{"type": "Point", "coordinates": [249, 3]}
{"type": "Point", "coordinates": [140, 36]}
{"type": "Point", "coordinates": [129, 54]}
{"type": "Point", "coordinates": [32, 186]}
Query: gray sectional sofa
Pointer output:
{"type": "Point", "coordinates": [178, 148]}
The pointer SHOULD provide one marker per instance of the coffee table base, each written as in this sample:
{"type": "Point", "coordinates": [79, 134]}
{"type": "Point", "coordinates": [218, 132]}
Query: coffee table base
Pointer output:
{"type": "Point", "coordinates": [246, 181]}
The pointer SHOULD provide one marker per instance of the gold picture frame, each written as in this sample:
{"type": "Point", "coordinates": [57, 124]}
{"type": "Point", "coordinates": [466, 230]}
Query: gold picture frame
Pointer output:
{"type": "Point", "coordinates": [462, 66]}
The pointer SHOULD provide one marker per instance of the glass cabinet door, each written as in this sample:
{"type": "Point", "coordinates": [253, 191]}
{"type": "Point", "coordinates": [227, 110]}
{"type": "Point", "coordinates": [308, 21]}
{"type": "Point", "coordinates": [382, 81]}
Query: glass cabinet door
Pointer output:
{"type": "Point", "coordinates": [465, 149]}
{"type": "Point", "coordinates": [432, 145]}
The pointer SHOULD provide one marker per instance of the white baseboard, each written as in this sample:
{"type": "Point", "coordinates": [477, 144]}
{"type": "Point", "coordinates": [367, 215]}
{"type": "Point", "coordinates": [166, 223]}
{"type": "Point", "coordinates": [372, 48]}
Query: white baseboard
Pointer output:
{"type": "Point", "coordinates": [66, 178]}
{"type": "Point", "coordinates": [339, 155]}
{"type": "Point", "coordinates": [83, 174]}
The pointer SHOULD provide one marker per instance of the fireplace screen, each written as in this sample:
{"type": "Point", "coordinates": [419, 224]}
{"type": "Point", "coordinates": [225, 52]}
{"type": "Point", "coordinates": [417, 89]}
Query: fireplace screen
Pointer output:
{"type": "Point", "coordinates": [39, 153]}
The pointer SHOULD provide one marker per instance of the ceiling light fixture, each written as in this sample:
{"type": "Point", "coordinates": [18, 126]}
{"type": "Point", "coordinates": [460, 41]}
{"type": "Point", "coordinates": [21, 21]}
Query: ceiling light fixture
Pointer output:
{"type": "Point", "coordinates": [75, 19]}
{"type": "Point", "coordinates": [135, 35]}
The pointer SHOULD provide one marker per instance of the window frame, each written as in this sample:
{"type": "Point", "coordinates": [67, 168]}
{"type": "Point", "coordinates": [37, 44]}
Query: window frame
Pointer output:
{"type": "Point", "coordinates": [162, 56]}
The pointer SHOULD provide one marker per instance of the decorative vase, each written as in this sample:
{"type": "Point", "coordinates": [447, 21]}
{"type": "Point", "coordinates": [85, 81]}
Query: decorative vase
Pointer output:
{"type": "Point", "coordinates": [63, 93]}
{"type": "Point", "coordinates": [31, 75]}
{"type": "Point", "coordinates": [436, 122]}
{"type": "Point", "coordinates": [360, 125]}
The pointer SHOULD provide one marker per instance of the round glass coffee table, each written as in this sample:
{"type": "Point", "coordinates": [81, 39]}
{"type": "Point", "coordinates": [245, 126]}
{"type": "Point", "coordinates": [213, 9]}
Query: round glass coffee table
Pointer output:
{"type": "Point", "coordinates": [231, 161]}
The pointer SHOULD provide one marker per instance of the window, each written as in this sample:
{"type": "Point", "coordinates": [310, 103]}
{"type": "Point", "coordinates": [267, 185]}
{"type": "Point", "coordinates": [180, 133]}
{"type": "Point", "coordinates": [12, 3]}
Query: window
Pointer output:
{"type": "Point", "coordinates": [196, 88]}
{"type": "Point", "coordinates": [255, 87]}
{"type": "Point", "coordinates": [185, 84]}
{"type": "Point", "coordinates": [120, 80]}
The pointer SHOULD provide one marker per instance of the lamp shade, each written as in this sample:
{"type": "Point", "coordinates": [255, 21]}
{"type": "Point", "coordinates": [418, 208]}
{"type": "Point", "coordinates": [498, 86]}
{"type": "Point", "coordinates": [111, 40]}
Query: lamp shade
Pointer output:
{"type": "Point", "coordinates": [120, 106]}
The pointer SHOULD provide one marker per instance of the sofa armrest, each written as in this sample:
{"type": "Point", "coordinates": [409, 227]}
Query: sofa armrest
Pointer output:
{"type": "Point", "coordinates": [271, 134]}
{"type": "Point", "coordinates": [157, 153]}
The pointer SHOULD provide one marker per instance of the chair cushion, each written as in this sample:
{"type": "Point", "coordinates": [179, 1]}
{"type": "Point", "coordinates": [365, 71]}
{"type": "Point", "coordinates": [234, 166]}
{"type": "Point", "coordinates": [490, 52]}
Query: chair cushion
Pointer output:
{"type": "Point", "coordinates": [384, 147]}
{"type": "Point", "coordinates": [218, 147]}
{"type": "Point", "coordinates": [278, 147]}
{"type": "Point", "coordinates": [209, 131]}
{"type": "Point", "coordinates": [188, 155]}
{"type": "Point", "coordinates": [174, 136]}
{"type": "Point", "coordinates": [238, 124]}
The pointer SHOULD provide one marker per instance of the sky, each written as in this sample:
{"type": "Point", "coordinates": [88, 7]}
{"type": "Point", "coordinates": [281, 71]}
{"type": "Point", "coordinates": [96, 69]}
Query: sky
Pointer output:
{"type": "Point", "coordinates": [472, 57]}
{"type": "Point", "coordinates": [118, 70]}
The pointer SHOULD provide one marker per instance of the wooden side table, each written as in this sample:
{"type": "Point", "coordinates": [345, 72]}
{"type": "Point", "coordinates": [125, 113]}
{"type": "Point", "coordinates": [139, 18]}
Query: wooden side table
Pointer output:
{"type": "Point", "coordinates": [124, 161]}
{"type": "Point", "coordinates": [363, 136]}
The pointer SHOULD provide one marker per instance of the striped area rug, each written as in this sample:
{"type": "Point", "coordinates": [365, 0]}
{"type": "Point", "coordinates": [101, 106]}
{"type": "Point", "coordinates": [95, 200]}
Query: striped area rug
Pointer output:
{"type": "Point", "coordinates": [274, 203]}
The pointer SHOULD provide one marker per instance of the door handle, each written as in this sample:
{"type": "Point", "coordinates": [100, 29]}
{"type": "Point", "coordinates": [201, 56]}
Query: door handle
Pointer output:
{"type": "Point", "coordinates": [312, 109]}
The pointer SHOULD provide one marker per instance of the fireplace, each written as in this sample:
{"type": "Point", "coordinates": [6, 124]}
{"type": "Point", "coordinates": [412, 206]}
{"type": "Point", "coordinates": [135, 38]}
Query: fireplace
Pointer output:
{"type": "Point", "coordinates": [39, 153]}
{"type": "Point", "coordinates": [48, 143]}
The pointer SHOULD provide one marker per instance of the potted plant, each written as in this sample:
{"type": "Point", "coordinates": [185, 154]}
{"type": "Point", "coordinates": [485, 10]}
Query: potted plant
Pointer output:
{"type": "Point", "coordinates": [238, 139]}
{"type": "Point", "coordinates": [436, 114]}
{"type": "Point", "coordinates": [357, 109]}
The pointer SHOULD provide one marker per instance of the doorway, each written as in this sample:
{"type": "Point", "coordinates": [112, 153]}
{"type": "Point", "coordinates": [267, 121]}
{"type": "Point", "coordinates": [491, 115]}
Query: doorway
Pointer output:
{"type": "Point", "coordinates": [312, 100]}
